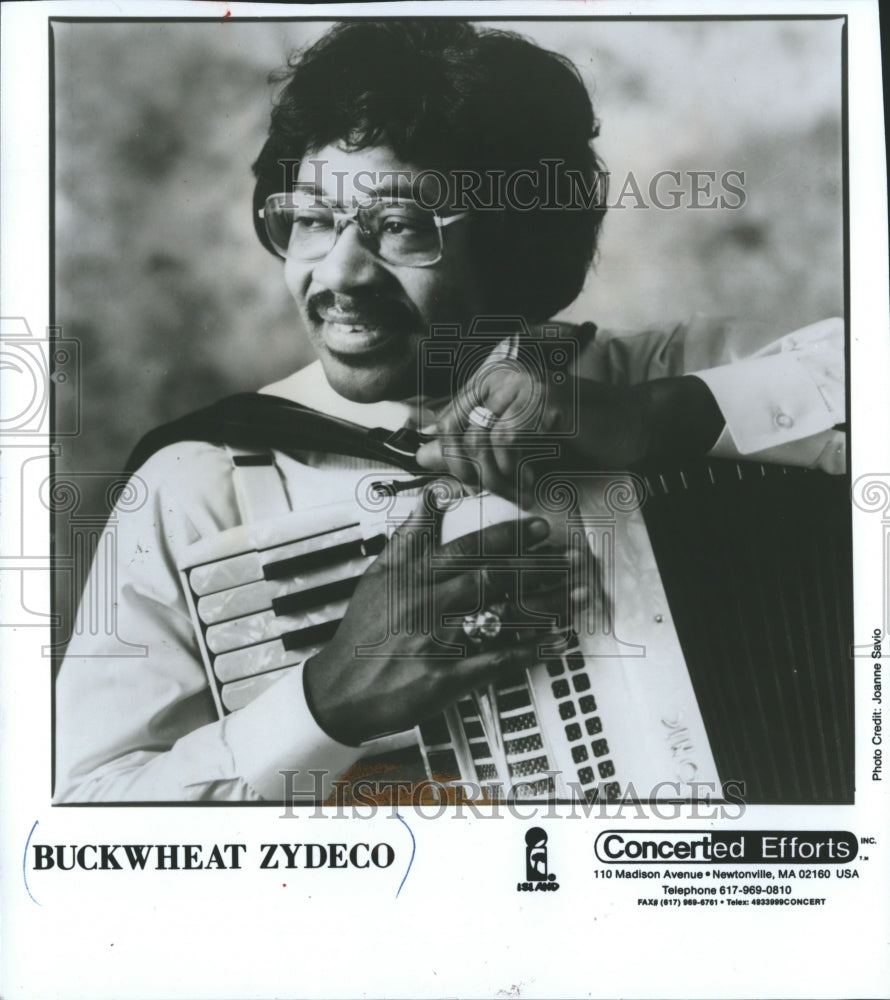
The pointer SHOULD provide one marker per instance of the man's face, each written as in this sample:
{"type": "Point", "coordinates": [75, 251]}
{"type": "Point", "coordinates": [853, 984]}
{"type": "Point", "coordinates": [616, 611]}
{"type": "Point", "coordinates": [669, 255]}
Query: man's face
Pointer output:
{"type": "Point", "coordinates": [366, 317]}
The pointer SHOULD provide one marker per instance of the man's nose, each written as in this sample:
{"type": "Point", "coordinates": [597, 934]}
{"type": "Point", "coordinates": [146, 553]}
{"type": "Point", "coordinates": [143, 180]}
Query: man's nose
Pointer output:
{"type": "Point", "coordinates": [348, 264]}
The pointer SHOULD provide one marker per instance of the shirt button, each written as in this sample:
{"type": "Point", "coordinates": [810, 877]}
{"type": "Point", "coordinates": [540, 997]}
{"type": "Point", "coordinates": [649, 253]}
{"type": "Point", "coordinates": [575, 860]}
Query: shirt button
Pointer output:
{"type": "Point", "coordinates": [783, 420]}
{"type": "Point", "coordinates": [659, 619]}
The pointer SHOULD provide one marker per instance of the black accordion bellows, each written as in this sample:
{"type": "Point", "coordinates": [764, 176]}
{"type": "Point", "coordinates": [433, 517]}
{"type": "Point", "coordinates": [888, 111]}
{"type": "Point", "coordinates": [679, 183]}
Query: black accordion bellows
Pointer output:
{"type": "Point", "coordinates": [757, 565]}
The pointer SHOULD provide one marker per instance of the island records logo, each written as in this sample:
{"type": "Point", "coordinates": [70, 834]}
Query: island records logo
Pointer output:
{"type": "Point", "coordinates": [538, 877]}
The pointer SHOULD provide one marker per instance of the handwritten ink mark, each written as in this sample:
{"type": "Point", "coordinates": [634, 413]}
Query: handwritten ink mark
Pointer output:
{"type": "Point", "coordinates": [25, 861]}
{"type": "Point", "coordinates": [413, 850]}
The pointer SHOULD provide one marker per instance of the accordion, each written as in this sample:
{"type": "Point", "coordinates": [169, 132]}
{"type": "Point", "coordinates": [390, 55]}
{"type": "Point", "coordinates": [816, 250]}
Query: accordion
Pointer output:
{"type": "Point", "coordinates": [747, 677]}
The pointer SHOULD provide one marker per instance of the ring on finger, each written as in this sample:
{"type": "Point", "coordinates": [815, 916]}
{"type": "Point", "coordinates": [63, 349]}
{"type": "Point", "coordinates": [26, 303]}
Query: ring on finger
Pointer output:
{"type": "Point", "coordinates": [482, 417]}
{"type": "Point", "coordinates": [484, 626]}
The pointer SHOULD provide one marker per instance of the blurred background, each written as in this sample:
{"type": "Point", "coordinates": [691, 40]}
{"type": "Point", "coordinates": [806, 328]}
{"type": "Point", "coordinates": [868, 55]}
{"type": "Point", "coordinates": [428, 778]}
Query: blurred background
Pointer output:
{"type": "Point", "coordinates": [161, 279]}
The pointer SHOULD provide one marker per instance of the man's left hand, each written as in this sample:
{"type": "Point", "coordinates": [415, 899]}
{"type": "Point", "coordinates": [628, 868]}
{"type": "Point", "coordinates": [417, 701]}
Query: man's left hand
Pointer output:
{"type": "Point", "coordinates": [592, 425]}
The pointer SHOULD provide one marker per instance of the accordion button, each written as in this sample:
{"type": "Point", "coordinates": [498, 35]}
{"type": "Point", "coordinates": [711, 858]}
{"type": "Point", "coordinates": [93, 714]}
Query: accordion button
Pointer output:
{"type": "Point", "coordinates": [575, 661]}
{"type": "Point", "coordinates": [594, 725]}
{"type": "Point", "coordinates": [612, 791]}
{"type": "Point", "coordinates": [560, 689]}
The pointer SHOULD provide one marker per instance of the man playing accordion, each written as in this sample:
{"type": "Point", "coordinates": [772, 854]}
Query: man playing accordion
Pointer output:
{"type": "Point", "coordinates": [433, 193]}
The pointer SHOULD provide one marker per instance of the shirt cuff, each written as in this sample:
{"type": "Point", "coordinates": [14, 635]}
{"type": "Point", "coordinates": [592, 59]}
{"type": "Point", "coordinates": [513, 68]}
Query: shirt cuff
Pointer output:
{"type": "Point", "coordinates": [277, 732]}
{"type": "Point", "coordinates": [773, 400]}
{"type": "Point", "coordinates": [826, 451]}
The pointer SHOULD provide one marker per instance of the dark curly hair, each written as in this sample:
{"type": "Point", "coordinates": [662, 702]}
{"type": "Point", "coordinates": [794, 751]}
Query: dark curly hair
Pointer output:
{"type": "Point", "coordinates": [446, 95]}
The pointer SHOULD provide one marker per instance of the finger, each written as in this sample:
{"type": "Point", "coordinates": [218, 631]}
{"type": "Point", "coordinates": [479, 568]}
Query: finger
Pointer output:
{"type": "Point", "coordinates": [477, 442]}
{"type": "Point", "coordinates": [468, 591]}
{"type": "Point", "coordinates": [506, 458]}
{"type": "Point", "coordinates": [463, 676]}
{"type": "Point", "coordinates": [554, 608]}
{"type": "Point", "coordinates": [425, 518]}
{"type": "Point", "coordinates": [448, 422]}
{"type": "Point", "coordinates": [518, 416]}
{"type": "Point", "coordinates": [507, 538]}
{"type": "Point", "coordinates": [470, 454]}
{"type": "Point", "coordinates": [465, 449]}
{"type": "Point", "coordinates": [480, 470]}
{"type": "Point", "coordinates": [512, 391]}
{"type": "Point", "coordinates": [429, 456]}
{"type": "Point", "coordinates": [519, 400]}
{"type": "Point", "coordinates": [462, 463]}
{"type": "Point", "coordinates": [450, 452]}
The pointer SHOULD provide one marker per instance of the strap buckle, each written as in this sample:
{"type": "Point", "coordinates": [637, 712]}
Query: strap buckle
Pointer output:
{"type": "Point", "coordinates": [404, 442]}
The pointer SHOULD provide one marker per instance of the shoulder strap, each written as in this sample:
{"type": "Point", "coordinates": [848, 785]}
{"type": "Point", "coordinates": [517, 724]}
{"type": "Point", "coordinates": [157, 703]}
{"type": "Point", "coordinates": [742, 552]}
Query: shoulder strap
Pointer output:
{"type": "Point", "coordinates": [256, 420]}
{"type": "Point", "coordinates": [259, 486]}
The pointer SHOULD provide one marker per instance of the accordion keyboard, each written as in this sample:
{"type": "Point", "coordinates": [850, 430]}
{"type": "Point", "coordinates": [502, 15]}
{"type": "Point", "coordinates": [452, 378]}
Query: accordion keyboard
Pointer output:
{"type": "Point", "coordinates": [263, 603]}
{"type": "Point", "coordinates": [548, 736]}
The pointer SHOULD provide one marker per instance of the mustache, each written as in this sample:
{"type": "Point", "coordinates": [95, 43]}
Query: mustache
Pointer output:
{"type": "Point", "coordinates": [373, 308]}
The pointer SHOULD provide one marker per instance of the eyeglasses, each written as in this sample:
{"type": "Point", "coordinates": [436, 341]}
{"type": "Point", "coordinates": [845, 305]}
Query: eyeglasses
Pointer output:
{"type": "Point", "coordinates": [302, 226]}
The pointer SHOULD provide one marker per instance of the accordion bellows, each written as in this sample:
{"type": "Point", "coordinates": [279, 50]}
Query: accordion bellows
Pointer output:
{"type": "Point", "coordinates": [757, 562]}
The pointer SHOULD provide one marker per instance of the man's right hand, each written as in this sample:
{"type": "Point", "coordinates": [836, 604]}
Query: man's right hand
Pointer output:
{"type": "Point", "coordinates": [396, 608]}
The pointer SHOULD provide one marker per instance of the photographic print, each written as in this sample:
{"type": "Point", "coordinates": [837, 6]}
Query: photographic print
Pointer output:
{"type": "Point", "coordinates": [447, 458]}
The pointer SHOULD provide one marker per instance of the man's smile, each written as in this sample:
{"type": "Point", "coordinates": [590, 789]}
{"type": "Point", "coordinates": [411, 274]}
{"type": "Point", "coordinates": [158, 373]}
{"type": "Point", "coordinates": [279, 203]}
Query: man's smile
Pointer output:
{"type": "Point", "coordinates": [355, 340]}
{"type": "Point", "coordinates": [357, 326]}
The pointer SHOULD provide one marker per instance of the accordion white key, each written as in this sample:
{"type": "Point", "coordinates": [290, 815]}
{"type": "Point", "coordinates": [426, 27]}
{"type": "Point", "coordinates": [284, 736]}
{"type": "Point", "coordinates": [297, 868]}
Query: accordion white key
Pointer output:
{"type": "Point", "coordinates": [587, 724]}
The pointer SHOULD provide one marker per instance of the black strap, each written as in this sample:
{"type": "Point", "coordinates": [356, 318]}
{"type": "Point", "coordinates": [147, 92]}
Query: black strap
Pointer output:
{"type": "Point", "coordinates": [255, 420]}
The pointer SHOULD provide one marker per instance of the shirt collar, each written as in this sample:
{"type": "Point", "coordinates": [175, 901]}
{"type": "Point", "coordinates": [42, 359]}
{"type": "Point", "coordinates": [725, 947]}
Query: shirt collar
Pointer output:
{"type": "Point", "coordinates": [310, 387]}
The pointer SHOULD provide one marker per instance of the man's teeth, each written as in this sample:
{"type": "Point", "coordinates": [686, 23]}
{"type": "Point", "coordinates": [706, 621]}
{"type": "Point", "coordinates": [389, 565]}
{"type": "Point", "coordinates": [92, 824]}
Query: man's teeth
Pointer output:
{"type": "Point", "coordinates": [353, 327]}
{"type": "Point", "coordinates": [347, 321]}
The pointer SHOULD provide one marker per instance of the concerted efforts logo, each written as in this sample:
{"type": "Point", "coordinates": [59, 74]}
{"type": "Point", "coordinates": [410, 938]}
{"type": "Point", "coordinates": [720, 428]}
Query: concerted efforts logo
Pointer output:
{"type": "Point", "coordinates": [537, 876]}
